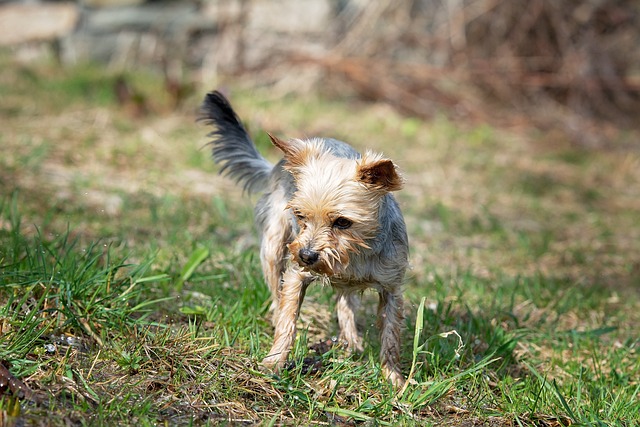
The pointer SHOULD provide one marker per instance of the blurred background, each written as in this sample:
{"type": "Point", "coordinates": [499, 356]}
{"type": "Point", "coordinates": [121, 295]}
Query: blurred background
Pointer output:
{"type": "Point", "coordinates": [570, 67]}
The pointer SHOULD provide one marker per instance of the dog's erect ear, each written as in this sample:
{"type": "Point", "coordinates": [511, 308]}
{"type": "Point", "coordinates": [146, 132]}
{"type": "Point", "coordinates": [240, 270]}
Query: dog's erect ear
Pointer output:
{"type": "Point", "coordinates": [380, 174]}
{"type": "Point", "coordinates": [295, 151]}
{"type": "Point", "coordinates": [284, 146]}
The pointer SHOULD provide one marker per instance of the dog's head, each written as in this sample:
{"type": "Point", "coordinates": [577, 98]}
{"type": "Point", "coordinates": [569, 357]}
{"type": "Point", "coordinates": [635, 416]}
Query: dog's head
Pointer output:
{"type": "Point", "coordinates": [336, 203]}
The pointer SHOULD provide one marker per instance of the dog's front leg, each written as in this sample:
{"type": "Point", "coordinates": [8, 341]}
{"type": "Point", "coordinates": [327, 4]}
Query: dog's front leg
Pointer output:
{"type": "Point", "coordinates": [291, 294]}
{"type": "Point", "coordinates": [346, 308]}
{"type": "Point", "coordinates": [390, 323]}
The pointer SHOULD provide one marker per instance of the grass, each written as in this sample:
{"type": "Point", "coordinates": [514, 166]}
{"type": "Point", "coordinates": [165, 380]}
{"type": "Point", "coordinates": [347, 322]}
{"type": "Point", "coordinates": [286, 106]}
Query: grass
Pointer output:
{"type": "Point", "coordinates": [131, 291]}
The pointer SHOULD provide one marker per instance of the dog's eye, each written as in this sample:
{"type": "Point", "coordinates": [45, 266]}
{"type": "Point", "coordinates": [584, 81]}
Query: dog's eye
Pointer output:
{"type": "Point", "coordinates": [299, 215]}
{"type": "Point", "coordinates": [342, 223]}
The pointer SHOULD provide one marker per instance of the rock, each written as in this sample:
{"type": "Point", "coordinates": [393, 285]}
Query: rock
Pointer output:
{"type": "Point", "coordinates": [23, 23]}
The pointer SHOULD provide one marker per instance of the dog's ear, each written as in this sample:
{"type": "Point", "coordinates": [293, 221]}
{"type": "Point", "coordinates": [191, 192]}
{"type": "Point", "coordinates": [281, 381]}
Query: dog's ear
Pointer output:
{"type": "Point", "coordinates": [380, 174]}
{"type": "Point", "coordinates": [284, 146]}
{"type": "Point", "coordinates": [295, 151]}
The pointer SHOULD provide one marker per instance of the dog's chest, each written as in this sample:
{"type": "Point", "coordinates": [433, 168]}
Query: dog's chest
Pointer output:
{"type": "Point", "coordinates": [367, 275]}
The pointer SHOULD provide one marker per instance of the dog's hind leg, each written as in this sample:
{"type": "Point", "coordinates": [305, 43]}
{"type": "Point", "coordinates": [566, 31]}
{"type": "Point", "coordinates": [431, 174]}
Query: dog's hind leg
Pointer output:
{"type": "Point", "coordinates": [390, 318]}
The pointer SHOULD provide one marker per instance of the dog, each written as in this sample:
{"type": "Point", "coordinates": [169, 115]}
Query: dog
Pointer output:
{"type": "Point", "coordinates": [326, 214]}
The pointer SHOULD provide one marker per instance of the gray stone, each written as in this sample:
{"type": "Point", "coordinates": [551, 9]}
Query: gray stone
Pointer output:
{"type": "Point", "coordinates": [21, 23]}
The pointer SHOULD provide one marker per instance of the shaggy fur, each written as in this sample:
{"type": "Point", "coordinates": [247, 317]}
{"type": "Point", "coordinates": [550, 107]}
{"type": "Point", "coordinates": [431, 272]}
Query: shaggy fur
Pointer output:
{"type": "Point", "coordinates": [326, 214]}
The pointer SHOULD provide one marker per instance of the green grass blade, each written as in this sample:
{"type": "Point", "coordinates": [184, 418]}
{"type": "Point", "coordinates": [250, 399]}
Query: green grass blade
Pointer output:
{"type": "Point", "coordinates": [196, 258]}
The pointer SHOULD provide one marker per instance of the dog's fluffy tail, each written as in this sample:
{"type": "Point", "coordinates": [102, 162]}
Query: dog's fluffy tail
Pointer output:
{"type": "Point", "coordinates": [233, 149]}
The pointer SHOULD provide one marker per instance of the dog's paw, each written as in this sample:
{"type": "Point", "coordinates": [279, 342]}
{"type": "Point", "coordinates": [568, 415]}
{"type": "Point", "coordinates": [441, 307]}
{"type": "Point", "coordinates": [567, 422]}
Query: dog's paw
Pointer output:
{"type": "Point", "coordinates": [355, 346]}
{"type": "Point", "coordinates": [394, 376]}
{"type": "Point", "coordinates": [273, 362]}
{"type": "Point", "coordinates": [269, 366]}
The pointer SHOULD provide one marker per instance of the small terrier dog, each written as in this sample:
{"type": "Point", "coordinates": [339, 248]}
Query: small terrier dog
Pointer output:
{"type": "Point", "coordinates": [326, 214]}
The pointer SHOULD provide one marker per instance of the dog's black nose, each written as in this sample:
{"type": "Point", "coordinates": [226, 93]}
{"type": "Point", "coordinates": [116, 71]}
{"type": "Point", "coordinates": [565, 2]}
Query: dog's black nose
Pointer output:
{"type": "Point", "coordinates": [308, 256]}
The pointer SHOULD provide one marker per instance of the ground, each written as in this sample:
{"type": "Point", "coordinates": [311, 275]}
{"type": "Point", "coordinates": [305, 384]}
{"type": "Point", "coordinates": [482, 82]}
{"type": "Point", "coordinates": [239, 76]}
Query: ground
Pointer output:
{"type": "Point", "coordinates": [130, 287]}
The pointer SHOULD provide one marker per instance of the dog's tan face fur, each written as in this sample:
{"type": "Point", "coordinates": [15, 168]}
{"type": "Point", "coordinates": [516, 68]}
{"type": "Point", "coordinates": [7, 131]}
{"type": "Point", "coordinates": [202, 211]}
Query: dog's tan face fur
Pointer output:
{"type": "Point", "coordinates": [336, 203]}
